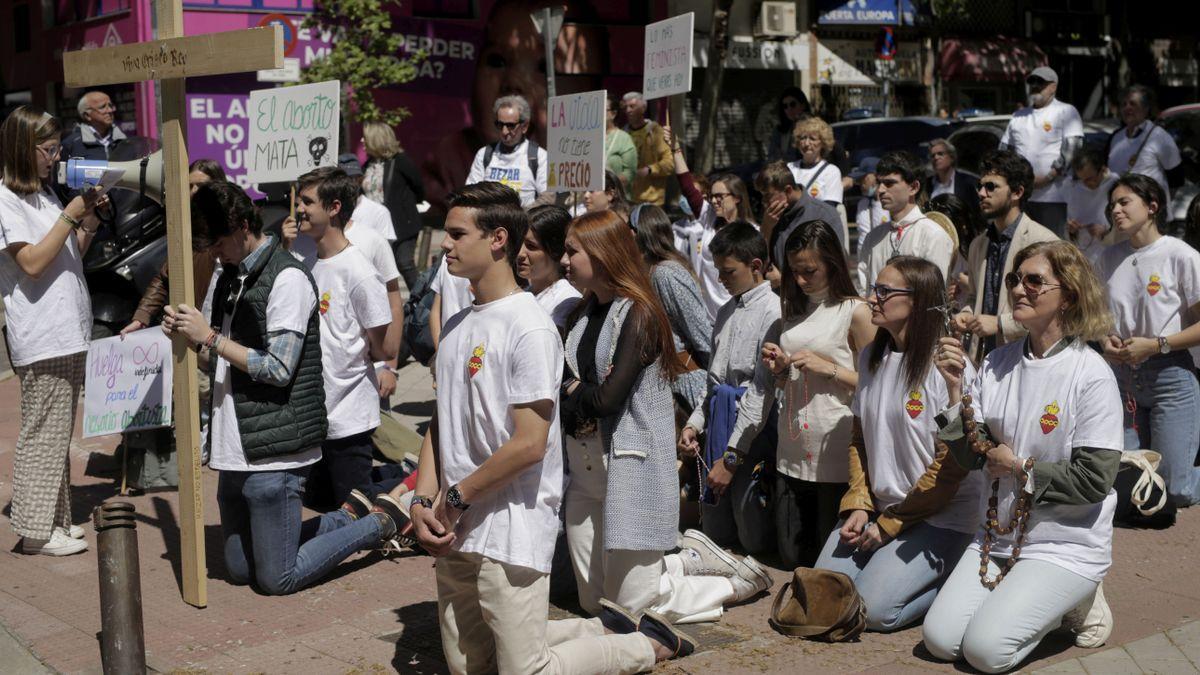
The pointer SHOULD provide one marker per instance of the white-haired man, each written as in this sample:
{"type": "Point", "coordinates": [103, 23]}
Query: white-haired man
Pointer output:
{"type": "Point", "coordinates": [655, 163]}
{"type": "Point", "coordinates": [515, 161]}
{"type": "Point", "coordinates": [97, 134]}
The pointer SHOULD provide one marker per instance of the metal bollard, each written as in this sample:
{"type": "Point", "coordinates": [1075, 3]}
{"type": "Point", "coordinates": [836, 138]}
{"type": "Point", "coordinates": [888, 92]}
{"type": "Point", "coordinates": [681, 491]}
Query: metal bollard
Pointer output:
{"type": "Point", "coordinates": [122, 642]}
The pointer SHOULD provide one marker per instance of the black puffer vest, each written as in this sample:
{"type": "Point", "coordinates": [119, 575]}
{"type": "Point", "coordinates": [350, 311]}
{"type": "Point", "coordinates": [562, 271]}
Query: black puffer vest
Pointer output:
{"type": "Point", "coordinates": [273, 421]}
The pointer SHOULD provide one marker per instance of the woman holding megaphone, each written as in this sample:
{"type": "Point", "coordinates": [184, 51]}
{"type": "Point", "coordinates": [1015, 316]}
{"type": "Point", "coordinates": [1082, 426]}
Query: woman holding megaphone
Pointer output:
{"type": "Point", "coordinates": [49, 324]}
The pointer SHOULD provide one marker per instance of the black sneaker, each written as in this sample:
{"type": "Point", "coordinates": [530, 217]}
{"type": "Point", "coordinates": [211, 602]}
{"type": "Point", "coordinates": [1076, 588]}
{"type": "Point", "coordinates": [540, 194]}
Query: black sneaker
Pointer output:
{"type": "Point", "coordinates": [657, 628]}
{"type": "Point", "coordinates": [394, 509]}
{"type": "Point", "coordinates": [357, 505]}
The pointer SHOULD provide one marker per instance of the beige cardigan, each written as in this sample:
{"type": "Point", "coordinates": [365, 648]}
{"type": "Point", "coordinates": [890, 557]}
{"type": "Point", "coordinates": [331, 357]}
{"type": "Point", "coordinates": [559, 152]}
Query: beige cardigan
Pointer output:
{"type": "Point", "coordinates": [1028, 232]}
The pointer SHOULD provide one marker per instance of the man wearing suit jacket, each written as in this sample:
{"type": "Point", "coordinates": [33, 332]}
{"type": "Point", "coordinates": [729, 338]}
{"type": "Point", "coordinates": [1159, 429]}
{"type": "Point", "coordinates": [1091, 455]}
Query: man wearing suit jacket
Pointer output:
{"type": "Point", "coordinates": [946, 176]}
{"type": "Point", "coordinates": [1006, 181]}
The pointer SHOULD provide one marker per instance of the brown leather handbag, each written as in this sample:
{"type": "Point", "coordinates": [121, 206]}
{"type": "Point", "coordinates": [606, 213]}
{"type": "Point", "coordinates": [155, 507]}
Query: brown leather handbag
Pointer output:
{"type": "Point", "coordinates": [819, 605]}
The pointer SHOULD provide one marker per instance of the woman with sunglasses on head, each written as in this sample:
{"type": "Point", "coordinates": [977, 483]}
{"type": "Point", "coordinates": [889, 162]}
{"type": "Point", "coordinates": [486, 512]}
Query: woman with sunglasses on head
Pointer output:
{"type": "Point", "coordinates": [909, 513]}
{"type": "Point", "coordinates": [622, 503]}
{"type": "Point", "coordinates": [49, 324]}
{"type": "Point", "coordinates": [676, 288]}
{"type": "Point", "coordinates": [1153, 285]}
{"type": "Point", "coordinates": [1043, 423]}
{"type": "Point", "coordinates": [812, 359]}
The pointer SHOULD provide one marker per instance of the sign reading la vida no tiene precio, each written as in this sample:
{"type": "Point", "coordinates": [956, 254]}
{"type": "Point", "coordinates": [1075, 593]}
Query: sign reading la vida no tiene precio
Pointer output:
{"type": "Point", "coordinates": [128, 383]}
{"type": "Point", "coordinates": [576, 142]}
{"type": "Point", "coordinates": [293, 130]}
{"type": "Point", "coordinates": [668, 65]}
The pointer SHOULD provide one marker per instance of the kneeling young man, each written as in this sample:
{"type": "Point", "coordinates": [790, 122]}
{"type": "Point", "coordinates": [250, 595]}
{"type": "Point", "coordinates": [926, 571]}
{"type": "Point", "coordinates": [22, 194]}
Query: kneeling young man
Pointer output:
{"type": "Point", "coordinates": [268, 416]}
{"type": "Point", "coordinates": [490, 478]}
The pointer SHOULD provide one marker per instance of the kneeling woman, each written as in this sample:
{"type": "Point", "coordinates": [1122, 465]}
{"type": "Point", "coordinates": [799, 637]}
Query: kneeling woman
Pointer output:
{"type": "Point", "coordinates": [1047, 412]}
{"type": "Point", "coordinates": [910, 510]}
{"type": "Point", "coordinates": [622, 504]}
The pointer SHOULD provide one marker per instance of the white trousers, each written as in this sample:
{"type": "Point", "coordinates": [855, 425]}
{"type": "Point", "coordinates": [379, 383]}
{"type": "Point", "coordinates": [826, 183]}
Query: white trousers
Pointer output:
{"type": "Point", "coordinates": [635, 580]}
{"type": "Point", "coordinates": [995, 630]}
{"type": "Point", "coordinates": [494, 618]}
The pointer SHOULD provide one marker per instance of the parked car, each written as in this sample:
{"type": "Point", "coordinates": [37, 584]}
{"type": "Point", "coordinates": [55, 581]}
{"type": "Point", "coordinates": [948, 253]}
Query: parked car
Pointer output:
{"type": "Point", "coordinates": [873, 137]}
{"type": "Point", "coordinates": [1183, 122]}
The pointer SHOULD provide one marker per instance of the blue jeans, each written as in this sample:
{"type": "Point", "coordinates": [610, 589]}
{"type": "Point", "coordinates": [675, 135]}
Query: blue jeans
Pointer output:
{"type": "Point", "coordinates": [899, 580]}
{"type": "Point", "coordinates": [265, 541]}
{"type": "Point", "coordinates": [1166, 419]}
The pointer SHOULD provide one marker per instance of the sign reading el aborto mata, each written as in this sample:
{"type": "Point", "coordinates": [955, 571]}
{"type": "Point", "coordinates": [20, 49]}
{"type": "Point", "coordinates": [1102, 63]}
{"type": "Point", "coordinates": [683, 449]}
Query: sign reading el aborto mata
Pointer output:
{"type": "Point", "coordinates": [128, 383]}
{"type": "Point", "coordinates": [169, 60]}
{"type": "Point", "coordinates": [293, 130]}
{"type": "Point", "coordinates": [576, 142]}
{"type": "Point", "coordinates": [667, 69]}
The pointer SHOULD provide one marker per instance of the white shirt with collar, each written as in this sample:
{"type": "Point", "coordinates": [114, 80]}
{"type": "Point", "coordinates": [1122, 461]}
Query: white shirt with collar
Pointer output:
{"type": "Point", "coordinates": [940, 188]}
{"type": "Point", "coordinates": [912, 234]}
{"type": "Point", "coordinates": [1037, 134]}
{"type": "Point", "coordinates": [1150, 155]}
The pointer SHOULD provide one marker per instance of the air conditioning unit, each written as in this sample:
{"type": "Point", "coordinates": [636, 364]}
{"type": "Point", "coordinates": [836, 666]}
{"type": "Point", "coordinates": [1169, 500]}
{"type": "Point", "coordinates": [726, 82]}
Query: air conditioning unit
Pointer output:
{"type": "Point", "coordinates": [776, 19]}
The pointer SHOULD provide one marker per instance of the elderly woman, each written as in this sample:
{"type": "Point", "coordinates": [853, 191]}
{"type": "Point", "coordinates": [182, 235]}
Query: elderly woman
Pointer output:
{"type": "Point", "coordinates": [813, 172]}
{"type": "Point", "coordinates": [1043, 421]}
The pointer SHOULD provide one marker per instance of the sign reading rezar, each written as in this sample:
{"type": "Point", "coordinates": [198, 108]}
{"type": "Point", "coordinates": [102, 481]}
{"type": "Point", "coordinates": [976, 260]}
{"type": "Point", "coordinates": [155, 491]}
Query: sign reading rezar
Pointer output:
{"type": "Point", "coordinates": [128, 383]}
{"type": "Point", "coordinates": [293, 130]}
{"type": "Point", "coordinates": [576, 142]}
{"type": "Point", "coordinates": [668, 65]}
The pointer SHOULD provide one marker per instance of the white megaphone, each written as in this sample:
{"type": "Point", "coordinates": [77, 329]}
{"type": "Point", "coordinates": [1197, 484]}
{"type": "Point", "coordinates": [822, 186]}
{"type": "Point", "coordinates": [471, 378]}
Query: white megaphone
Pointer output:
{"type": "Point", "coordinates": [143, 175]}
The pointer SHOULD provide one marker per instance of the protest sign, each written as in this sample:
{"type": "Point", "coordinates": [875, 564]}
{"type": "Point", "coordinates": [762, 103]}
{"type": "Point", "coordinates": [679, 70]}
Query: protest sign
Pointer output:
{"type": "Point", "coordinates": [576, 142]}
{"type": "Point", "coordinates": [293, 130]}
{"type": "Point", "coordinates": [128, 383]}
{"type": "Point", "coordinates": [668, 65]}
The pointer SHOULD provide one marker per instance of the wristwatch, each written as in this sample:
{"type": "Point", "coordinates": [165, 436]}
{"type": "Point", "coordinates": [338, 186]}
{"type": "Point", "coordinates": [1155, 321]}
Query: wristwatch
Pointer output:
{"type": "Point", "coordinates": [1164, 347]}
{"type": "Point", "coordinates": [426, 502]}
{"type": "Point", "coordinates": [731, 459]}
{"type": "Point", "coordinates": [454, 498]}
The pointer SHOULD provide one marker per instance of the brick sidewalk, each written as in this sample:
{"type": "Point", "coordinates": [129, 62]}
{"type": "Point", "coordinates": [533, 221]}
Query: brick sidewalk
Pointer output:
{"type": "Point", "coordinates": [377, 615]}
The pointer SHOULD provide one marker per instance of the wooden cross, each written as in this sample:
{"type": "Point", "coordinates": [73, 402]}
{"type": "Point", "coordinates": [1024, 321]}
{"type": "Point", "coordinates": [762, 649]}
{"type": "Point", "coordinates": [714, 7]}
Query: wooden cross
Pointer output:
{"type": "Point", "coordinates": [170, 59]}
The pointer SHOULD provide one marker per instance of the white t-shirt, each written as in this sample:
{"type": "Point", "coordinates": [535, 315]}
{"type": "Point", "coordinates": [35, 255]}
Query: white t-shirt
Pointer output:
{"type": "Point", "coordinates": [373, 216]}
{"type": "Point", "coordinates": [1151, 289]}
{"type": "Point", "coordinates": [1088, 207]}
{"type": "Point", "coordinates": [1043, 408]}
{"type": "Point", "coordinates": [455, 291]}
{"type": "Point", "coordinates": [1159, 154]}
{"type": "Point", "coordinates": [491, 358]}
{"type": "Point", "coordinates": [512, 169]}
{"type": "Point", "coordinates": [871, 214]}
{"type": "Point", "coordinates": [558, 300]}
{"type": "Point", "coordinates": [351, 300]}
{"type": "Point", "coordinates": [698, 253]}
{"type": "Point", "coordinates": [289, 305]}
{"type": "Point", "coordinates": [900, 430]}
{"type": "Point", "coordinates": [940, 188]}
{"type": "Point", "coordinates": [914, 235]}
{"type": "Point", "coordinates": [828, 184]}
{"type": "Point", "coordinates": [1037, 135]}
{"type": "Point", "coordinates": [375, 249]}
{"type": "Point", "coordinates": [50, 316]}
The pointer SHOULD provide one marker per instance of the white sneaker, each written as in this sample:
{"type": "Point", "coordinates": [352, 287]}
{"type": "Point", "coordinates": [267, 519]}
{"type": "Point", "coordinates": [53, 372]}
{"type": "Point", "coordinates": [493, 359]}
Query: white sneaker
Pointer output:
{"type": "Point", "coordinates": [58, 544]}
{"type": "Point", "coordinates": [701, 556]}
{"type": "Point", "coordinates": [74, 532]}
{"type": "Point", "coordinates": [750, 580]}
{"type": "Point", "coordinates": [1091, 621]}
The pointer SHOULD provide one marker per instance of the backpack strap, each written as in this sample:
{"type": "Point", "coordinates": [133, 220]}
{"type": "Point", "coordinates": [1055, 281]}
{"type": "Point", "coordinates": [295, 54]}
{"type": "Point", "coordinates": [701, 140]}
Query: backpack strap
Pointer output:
{"type": "Point", "coordinates": [488, 153]}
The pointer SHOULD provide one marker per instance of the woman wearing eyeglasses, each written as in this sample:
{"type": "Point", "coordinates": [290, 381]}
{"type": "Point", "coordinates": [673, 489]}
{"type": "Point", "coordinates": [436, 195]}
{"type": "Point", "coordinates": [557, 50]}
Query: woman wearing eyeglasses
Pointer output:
{"type": "Point", "coordinates": [909, 514]}
{"type": "Point", "coordinates": [813, 358]}
{"type": "Point", "coordinates": [49, 323]}
{"type": "Point", "coordinates": [813, 171]}
{"type": "Point", "coordinates": [1046, 414]}
{"type": "Point", "coordinates": [1153, 285]}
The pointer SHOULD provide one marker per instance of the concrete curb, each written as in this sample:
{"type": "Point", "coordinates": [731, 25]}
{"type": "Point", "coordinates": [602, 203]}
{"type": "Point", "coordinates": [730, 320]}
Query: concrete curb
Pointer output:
{"type": "Point", "coordinates": [17, 658]}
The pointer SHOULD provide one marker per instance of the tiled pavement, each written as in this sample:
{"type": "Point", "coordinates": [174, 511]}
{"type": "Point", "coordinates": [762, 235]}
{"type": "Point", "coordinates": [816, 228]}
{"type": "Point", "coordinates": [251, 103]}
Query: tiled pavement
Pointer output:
{"type": "Point", "coordinates": [378, 615]}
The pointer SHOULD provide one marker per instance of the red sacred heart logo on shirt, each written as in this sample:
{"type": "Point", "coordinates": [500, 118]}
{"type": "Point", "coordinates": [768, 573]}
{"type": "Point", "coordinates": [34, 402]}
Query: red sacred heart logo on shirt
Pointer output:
{"type": "Point", "coordinates": [814, 191]}
{"type": "Point", "coordinates": [913, 406]}
{"type": "Point", "coordinates": [1046, 126]}
{"type": "Point", "coordinates": [1049, 420]}
{"type": "Point", "coordinates": [1155, 285]}
{"type": "Point", "coordinates": [475, 363]}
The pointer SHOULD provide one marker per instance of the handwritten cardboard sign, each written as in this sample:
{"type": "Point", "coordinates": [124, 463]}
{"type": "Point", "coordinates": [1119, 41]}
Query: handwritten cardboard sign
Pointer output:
{"type": "Point", "coordinates": [576, 142]}
{"type": "Point", "coordinates": [128, 383]}
{"type": "Point", "coordinates": [668, 65]}
{"type": "Point", "coordinates": [293, 130]}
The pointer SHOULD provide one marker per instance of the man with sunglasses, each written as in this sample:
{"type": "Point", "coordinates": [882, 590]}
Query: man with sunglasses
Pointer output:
{"type": "Point", "coordinates": [1048, 133]}
{"type": "Point", "coordinates": [516, 160]}
{"type": "Point", "coordinates": [1006, 180]}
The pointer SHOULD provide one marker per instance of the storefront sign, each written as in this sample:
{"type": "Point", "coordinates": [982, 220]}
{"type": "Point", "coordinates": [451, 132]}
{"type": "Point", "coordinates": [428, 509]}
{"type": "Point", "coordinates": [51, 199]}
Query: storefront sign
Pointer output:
{"type": "Point", "coordinates": [575, 142]}
{"type": "Point", "coordinates": [668, 63]}
{"type": "Point", "coordinates": [865, 12]}
{"type": "Point", "coordinates": [128, 383]}
{"type": "Point", "coordinates": [752, 54]}
{"type": "Point", "coordinates": [293, 130]}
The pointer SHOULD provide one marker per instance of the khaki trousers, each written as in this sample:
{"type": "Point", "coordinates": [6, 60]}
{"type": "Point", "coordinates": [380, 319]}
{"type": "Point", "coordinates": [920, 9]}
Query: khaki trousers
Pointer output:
{"type": "Point", "coordinates": [494, 618]}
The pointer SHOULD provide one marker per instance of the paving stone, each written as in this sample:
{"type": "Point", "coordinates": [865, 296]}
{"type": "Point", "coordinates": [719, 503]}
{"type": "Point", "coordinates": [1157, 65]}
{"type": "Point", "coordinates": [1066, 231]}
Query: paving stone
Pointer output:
{"type": "Point", "coordinates": [1157, 654]}
{"type": "Point", "coordinates": [1114, 661]}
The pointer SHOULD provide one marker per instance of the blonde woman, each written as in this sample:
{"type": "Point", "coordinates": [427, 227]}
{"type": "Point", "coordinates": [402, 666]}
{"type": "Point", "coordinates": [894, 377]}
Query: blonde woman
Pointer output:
{"type": "Point", "coordinates": [390, 178]}
{"type": "Point", "coordinates": [49, 317]}
{"type": "Point", "coordinates": [819, 178]}
{"type": "Point", "coordinates": [1047, 412]}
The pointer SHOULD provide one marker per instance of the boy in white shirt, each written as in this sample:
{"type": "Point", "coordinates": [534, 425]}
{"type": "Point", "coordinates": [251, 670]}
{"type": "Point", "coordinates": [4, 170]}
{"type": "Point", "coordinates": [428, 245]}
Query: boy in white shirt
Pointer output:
{"type": "Point", "coordinates": [908, 231]}
{"type": "Point", "coordinates": [355, 317]}
{"type": "Point", "coordinates": [490, 477]}
{"type": "Point", "coordinates": [1087, 202]}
